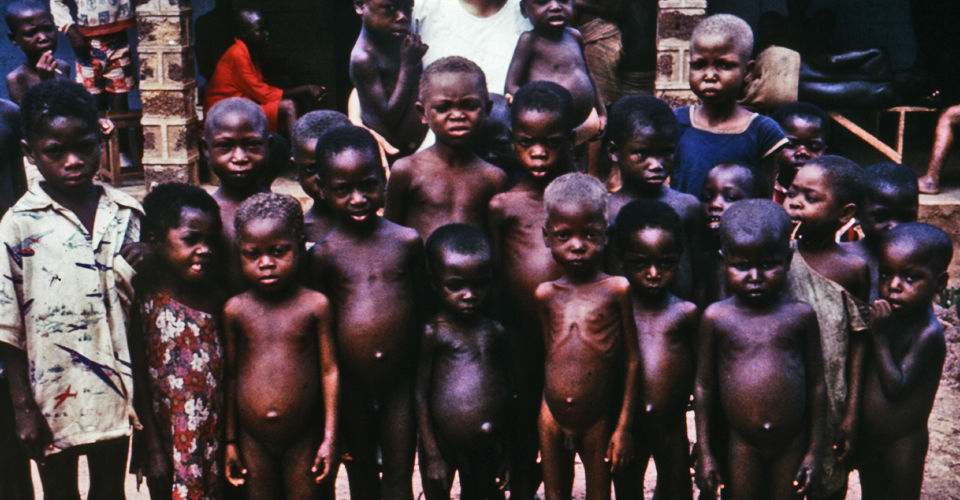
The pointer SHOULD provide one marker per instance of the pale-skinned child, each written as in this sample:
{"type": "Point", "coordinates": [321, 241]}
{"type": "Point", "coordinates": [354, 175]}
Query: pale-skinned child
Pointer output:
{"type": "Point", "coordinates": [642, 139]}
{"type": "Point", "coordinates": [890, 196]}
{"type": "Point", "coordinates": [906, 355]}
{"type": "Point", "coordinates": [64, 329]}
{"type": "Point", "coordinates": [318, 220]}
{"type": "Point", "coordinates": [542, 136]}
{"type": "Point", "coordinates": [283, 389]}
{"type": "Point", "coordinates": [464, 397]}
{"type": "Point", "coordinates": [385, 66]}
{"type": "Point", "coordinates": [834, 278]}
{"type": "Point", "coordinates": [179, 364]}
{"type": "Point", "coordinates": [371, 269]}
{"type": "Point", "coordinates": [592, 363]}
{"type": "Point", "coordinates": [33, 31]}
{"type": "Point", "coordinates": [725, 184]}
{"type": "Point", "coordinates": [446, 182]}
{"type": "Point", "coordinates": [806, 127]}
{"type": "Point", "coordinates": [759, 363]}
{"type": "Point", "coordinates": [553, 51]}
{"type": "Point", "coordinates": [719, 130]}
{"type": "Point", "coordinates": [649, 237]}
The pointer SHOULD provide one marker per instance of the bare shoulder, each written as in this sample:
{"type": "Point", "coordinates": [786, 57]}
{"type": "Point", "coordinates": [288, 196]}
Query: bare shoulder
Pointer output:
{"type": "Point", "coordinates": [933, 333]}
{"type": "Point", "coordinates": [686, 310]}
{"type": "Point", "coordinates": [801, 310]}
{"type": "Point", "coordinates": [618, 285]}
{"type": "Point", "coordinates": [686, 205]}
{"type": "Point", "coordinates": [545, 290]}
{"type": "Point", "coordinates": [408, 236]}
{"type": "Point", "coordinates": [314, 300]}
{"type": "Point", "coordinates": [236, 306]}
{"type": "Point", "coordinates": [575, 33]}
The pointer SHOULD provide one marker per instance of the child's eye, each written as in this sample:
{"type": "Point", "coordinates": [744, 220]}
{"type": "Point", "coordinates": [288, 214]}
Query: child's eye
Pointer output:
{"type": "Point", "coordinates": [554, 143]}
{"type": "Point", "coordinates": [525, 143]}
{"type": "Point", "coordinates": [254, 146]}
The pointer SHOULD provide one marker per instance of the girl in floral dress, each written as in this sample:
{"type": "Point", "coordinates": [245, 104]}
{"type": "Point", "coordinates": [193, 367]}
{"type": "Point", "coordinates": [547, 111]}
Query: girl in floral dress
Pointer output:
{"type": "Point", "coordinates": [179, 359]}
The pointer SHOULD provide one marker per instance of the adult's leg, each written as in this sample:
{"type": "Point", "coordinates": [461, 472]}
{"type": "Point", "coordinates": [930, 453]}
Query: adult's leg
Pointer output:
{"type": "Point", "coordinates": [58, 476]}
{"type": "Point", "coordinates": [15, 481]}
{"type": "Point", "coordinates": [299, 481]}
{"type": "Point", "coordinates": [672, 456]}
{"type": "Point", "coordinates": [593, 452]}
{"type": "Point", "coordinates": [556, 459]}
{"type": "Point", "coordinates": [359, 430]}
{"type": "Point", "coordinates": [107, 462]}
{"type": "Point", "coordinates": [946, 126]}
{"type": "Point", "coordinates": [398, 440]}
{"type": "Point", "coordinates": [264, 480]}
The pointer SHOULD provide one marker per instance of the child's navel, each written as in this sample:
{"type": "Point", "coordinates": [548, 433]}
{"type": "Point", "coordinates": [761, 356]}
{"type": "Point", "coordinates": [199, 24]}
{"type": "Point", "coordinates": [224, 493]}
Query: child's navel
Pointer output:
{"type": "Point", "coordinates": [766, 426]}
{"type": "Point", "coordinates": [378, 354]}
{"type": "Point", "coordinates": [273, 416]}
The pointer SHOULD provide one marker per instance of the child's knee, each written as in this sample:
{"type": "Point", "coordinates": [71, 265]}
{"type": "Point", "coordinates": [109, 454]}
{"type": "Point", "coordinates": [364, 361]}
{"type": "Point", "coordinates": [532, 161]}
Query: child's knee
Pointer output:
{"type": "Point", "coordinates": [287, 108]}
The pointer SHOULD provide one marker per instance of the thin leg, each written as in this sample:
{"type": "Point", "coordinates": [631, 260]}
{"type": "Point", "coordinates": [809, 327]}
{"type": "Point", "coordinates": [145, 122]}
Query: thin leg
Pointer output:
{"type": "Point", "coordinates": [593, 452]}
{"type": "Point", "coordinates": [901, 466]}
{"type": "Point", "coordinates": [15, 480]}
{"type": "Point", "coordinates": [948, 122]}
{"type": "Point", "coordinates": [432, 489]}
{"type": "Point", "coordinates": [629, 482]}
{"type": "Point", "coordinates": [785, 467]}
{"type": "Point", "coordinates": [672, 456]}
{"type": "Point", "coordinates": [286, 118]}
{"type": "Point", "coordinates": [58, 475]}
{"type": "Point", "coordinates": [398, 440]}
{"type": "Point", "coordinates": [359, 431]}
{"type": "Point", "coordinates": [478, 477]}
{"type": "Point", "coordinates": [556, 459]}
{"type": "Point", "coordinates": [264, 480]}
{"type": "Point", "coordinates": [746, 479]}
{"type": "Point", "coordinates": [299, 480]}
{"type": "Point", "coordinates": [108, 469]}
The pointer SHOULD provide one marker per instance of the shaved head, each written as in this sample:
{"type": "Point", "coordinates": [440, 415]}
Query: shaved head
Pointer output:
{"type": "Point", "coordinates": [729, 27]}
{"type": "Point", "coordinates": [235, 106]}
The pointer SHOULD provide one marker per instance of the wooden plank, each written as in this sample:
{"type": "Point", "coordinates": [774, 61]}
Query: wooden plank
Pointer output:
{"type": "Point", "coordinates": [866, 136]}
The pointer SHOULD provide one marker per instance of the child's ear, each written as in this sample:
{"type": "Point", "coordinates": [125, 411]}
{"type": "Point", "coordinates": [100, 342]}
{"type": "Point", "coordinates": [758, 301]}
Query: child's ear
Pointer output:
{"type": "Point", "coordinates": [546, 236]}
{"type": "Point", "coordinates": [751, 65]}
{"type": "Point", "coordinates": [358, 7]}
{"type": "Point", "coordinates": [421, 112]}
{"type": "Point", "coordinates": [204, 148]}
{"type": "Point", "coordinates": [27, 151]}
{"type": "Point", "coordinates": [523, 8]}
{"type": "Point", "coordinates": [612, 152]}
{"type": "Point", "coordinates": [942, 281]}
{"type": "Point", "coordinates": [848, 212]}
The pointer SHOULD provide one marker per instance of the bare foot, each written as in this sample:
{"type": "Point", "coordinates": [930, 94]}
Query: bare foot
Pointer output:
{"type": "Point", "coordinates": [928, 185]}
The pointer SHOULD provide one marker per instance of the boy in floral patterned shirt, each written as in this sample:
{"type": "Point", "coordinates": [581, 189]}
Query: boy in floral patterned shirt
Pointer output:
{"type": "Point", "coordinates": [64, 298]}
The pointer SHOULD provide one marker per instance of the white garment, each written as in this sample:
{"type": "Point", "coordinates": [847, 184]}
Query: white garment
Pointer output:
{"type": "Point", "coordinates": [450, 30]}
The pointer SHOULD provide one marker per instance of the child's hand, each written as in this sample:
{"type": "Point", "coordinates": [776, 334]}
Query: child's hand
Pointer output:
{"type": "Point", "coordinates": [708, 475]}
{"type": "Point", "coordinates": [808, 475]}
{"type": "Point", "coordinates": [33, 431]}
{"type": "Point", "coordinates": [880, 313]}
{"type": "Point", "coordinates": [326, 460]}
{"type": "Point", "coordinates": [412, 47]}
{"type": "Point", "coordinates": [843, 446]}
{"type": "Point", "coordinates": [620, 450]}
{"type": "Point", "coordinates": [136, 254]}
{"type": "Point", "coordinates": [437, 471]}
{"type": "Point", "coordinates": [78, 42]}
{"type": "Point", "coordinates": [235, 469]}
{"type": "Point", "coordinates": [106, 126]}
{"type": "Point", "coordinates": [47, 66]}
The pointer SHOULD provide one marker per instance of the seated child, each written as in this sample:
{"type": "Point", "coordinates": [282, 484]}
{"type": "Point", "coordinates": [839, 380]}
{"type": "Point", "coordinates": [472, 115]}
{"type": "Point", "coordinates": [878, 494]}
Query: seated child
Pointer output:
{"type": "Point", "coordinates": [759, 360]}
{"type": "Point", "coordinates": [463, 385]}
{"type": "Point", "coordinates": [642, 138]}
{"type": "Point", "coordinates": [649, 237]}
{"type": "Point", "coordinates": [889, 196]}
{"type": "Point", "coordinates": [592, 364]}
{"type": "Point", "coordinates": [385, 67]}
{"type": "Point", "coordinates": [806, 127]}
{"type": "Point", "coordinates": [238, 74]}
{"type": "Point", "coordinates": [32, 29]}
{"type": "Point", "coordinates": [63, 324]}
{"type": "Point", "coordinates": [553, 51]}
{"type": "Point", "coordinates": [318, 220]}
{"type": "Point", "coordinates": [725, 184]}
{"type": "Point", "coordinates": [719, 130]}
{"type": "Point", "coordinates": [283, 386]}
{"type": "Point", "coordinates": [371, 270]}
{"type": "Point", "coordinates": [493, 144]}
{"type": "Point", "coordinates": [542, 125]}
{"type": "Point", "coordinates": [905, 361]}
{"type": "Point", "coordinates": [834, 278]}
{"type": "Point", "coordinates": [180, 360]}
{"type": "Point", "coordinates": [446, 182]}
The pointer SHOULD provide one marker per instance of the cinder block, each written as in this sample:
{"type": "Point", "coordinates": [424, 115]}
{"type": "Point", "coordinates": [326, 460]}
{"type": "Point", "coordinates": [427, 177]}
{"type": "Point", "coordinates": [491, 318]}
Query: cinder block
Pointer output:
{"type": "Point", "coordinates": [167, 69]}
{"type": "Point", "coordinates": [159, 174]}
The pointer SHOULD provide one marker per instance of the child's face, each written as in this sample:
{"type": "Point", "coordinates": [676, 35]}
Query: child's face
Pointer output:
{"type": "Point", "coordinates": [456, 108]}
{"type": "Point", "coordinates": [269, 255]}
{"type": "Point", "coordinates": [806, 143]}
{"type": "Point", "coordinates": [236, 150]}
{"type": "Point", "coordinates": [353, 185]}
{"type": "Point", "coordinates": [721, 188]}
{"type": "Point", "coordinates": [575, 235]}
{"type": "Point", "coordinates": [717, 70]}
{"type": "Point", "coordinates": [756, 270]}
{"type": "Point", "coordinates": [35, 34]}
{"type": "Point", "coordinates": [552, 15]}
{"type": "Point", "coordinates": [494, 145]}
{"type": "Point", "coordinates": [645, 158]}
{"type": "Point", "coordinates": [463, 282]}
{"type": "Point", "coordinates": [540, 141]}
{"type": "Point", "coordinates": [304, 158]}
{"type": "Point", "coordinates": [885, 209]}
{"type": "Point", "coordinates": [650, 261]}
{"type": "Point", "coordinates": [812, 201]}
{"type": "Point", "coordinates": [66, 151]}
{"type": "Point", "coordinates": [190, 248]}
{"type": "Point", "coordinates": [386, 17]}
{"type": "Point", "coordinates": [906, 280]}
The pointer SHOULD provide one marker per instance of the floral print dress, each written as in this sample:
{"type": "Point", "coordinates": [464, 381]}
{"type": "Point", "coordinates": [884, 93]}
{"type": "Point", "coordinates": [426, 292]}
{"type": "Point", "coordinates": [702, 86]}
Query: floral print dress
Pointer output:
{"type": "Point", "coordinates": [186, 369]}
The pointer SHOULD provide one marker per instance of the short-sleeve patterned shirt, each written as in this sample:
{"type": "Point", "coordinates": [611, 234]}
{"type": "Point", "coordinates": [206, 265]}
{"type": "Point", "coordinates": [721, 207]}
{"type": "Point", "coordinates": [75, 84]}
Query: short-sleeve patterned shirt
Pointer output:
{"type": "Point", "coordinates": [64, 298]}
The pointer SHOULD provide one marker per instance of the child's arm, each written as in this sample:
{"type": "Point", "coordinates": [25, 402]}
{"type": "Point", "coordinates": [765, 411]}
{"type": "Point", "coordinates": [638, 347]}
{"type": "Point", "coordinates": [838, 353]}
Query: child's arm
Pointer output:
{"type": "Point", "coordinates": [694, 233]}
{"type": "Point", "coordinates": [495, 223]}
{"type": "Point", "coordinates": [809, 474]}
{"type": "Point", "coordinates": [325, 464]}
{"type": "Point", "coordinates": [436, 467]}
{"type": "Point", "coordinates": [928, 351]}
{"type": "Point", "coordinates": [708, 472]}
{"type": "Point", "coordinates": [517, 74]}
{"type": "Point", "coordinates": [365, 74]}
{"type": "Point", "coordinates": [29, 422]}
{"type": "Point", "coordinates": [65, 23]}
{"type": "Point", "coordinates": [231, 460]}
{"type": "Point", "coordinates": [620, 450]}
{"type": "Point", "coordinates": [398, 187]}
{"type": "Point", "coordinates": [845, 441]}
{"type": "Point", "coordinates": [155, 465]}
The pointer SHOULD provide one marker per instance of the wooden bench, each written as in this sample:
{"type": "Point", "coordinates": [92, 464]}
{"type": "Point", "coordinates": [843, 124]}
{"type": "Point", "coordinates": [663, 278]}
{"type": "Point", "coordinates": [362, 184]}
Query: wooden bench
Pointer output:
{"type": "Point", "coordinates": [110, 169]}
{"type": "Point", "coordinates": [894, 154]}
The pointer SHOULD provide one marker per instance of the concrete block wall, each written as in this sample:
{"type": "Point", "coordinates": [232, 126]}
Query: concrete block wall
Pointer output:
{"type": "Point", "coordinates": [168, 91]}
{"type": "Point", "coordinates": [675, 23]}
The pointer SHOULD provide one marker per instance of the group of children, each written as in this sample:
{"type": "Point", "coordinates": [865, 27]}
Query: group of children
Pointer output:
{"type": "Point", "coordinates": [493, 322]}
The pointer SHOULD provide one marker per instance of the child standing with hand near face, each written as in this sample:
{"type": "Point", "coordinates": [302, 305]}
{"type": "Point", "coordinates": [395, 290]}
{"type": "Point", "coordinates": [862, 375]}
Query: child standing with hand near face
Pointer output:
{"type": "Point", "coordinates": [806, 127]}
{"type": "Point", "coordinates": [32, 29]}
{"type": "Point", "coordinates": [720, 130]}
{"type": "Point", "coordinates": [175, 344]}
{"type": "Point", "coordinates": [447, 182]}
{"type": "Point", "coordinates": [283, 386]}
{"type": "Point", "coordinates": [592, 364]}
